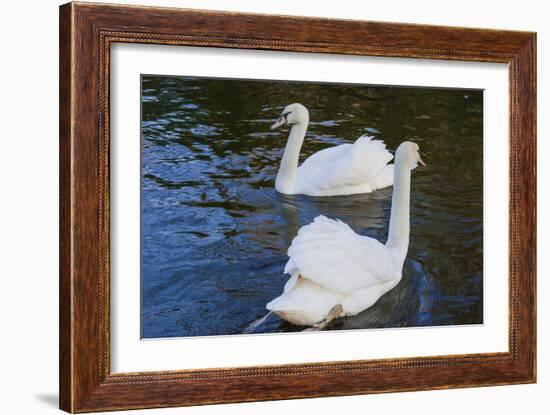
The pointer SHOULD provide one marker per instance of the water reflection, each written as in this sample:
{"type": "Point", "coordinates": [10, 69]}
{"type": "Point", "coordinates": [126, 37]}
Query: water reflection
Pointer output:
{"type": "Point", "coordinates": [215, 232]}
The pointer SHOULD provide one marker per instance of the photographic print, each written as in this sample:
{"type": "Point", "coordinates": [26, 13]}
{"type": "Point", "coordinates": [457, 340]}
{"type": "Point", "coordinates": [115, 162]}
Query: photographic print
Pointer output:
{"type": "Point", "coordinates": [230, 179]}
{"type": "Point", "coordinates": [283, 206]}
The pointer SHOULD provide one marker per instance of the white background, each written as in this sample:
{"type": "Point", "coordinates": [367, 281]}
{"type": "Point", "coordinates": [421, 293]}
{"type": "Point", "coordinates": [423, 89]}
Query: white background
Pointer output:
{"type": "Point", "coordinates": [28, 217]}
{"type": "Point", "coordinates": [129, 354]}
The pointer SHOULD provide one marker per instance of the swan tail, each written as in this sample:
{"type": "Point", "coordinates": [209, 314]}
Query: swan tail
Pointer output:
{"type": "Point", "coordinates": [384, 178]}
{"type": "Point", "coordinates": [304, 303]}
{"type": "Point", "coordinates": [370, 156]}
{"type": "Point", "coordinates": [290, 309]}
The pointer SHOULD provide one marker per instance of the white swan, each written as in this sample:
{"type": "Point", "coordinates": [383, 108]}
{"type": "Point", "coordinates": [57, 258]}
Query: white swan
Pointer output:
{"type": "Point", "coordinates": [336, 272]}
{"type": "Point", "coordinates": [361, 167]}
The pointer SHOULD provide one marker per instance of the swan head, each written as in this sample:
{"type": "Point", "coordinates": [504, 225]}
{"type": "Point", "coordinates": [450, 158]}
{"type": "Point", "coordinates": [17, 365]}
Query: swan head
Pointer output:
{"type": "Point", "coordinates": [292, 114]}
{"type": "Point", "coordinates": [408, 153]}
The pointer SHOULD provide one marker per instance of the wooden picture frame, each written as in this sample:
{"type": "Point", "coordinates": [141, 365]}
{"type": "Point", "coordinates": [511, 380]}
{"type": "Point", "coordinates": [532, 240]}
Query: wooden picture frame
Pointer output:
{"type": "Point", "coordinates": [86, 33]}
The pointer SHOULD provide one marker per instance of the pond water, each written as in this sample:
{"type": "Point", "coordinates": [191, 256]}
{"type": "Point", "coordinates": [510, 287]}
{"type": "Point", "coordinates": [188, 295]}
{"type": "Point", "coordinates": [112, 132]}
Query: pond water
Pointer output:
{"type": "Point", "coordinates": [214, 232]}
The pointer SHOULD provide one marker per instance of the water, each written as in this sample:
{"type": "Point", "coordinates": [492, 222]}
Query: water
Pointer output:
{"type": "Point", "coordinates": [215, 232]}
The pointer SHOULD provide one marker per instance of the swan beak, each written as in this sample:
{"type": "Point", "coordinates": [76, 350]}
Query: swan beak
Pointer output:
{"type": "Point", "coordinates": [420, 161]}
{"type": "Point", "coordinates": [279, 123]}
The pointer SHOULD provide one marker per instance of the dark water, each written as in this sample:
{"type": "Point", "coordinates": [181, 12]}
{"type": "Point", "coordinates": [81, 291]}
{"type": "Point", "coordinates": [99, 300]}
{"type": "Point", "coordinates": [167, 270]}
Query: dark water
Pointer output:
{"type": "Point", "coordinates": [215, 232]}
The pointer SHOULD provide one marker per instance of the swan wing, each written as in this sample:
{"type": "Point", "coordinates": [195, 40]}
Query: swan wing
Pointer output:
{"type": "Point", "coordinates": [369, 155]}
{"type": "Point", "coordinates": [326, 155]}
{"type": "Point", "coordinates": [329, 253]}
{"type": "Point", "coordinates": [345, 167]}
{"type": "Point", "coordinates": [350, 165]}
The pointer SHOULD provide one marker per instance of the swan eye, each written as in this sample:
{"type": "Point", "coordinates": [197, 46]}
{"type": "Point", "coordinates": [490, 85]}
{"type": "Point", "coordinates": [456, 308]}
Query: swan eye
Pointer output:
{"type": "Point", "coordinates": [286, 114]}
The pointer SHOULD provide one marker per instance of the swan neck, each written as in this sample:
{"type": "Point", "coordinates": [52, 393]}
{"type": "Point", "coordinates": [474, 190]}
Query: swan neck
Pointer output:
{"type": "Point", "coordinates": [398, 235]}
{"type": "Point", "coordinates": [289, 163]}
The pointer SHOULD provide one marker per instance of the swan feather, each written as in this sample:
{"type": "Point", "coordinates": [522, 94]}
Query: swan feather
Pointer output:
{"type": "Point", "coordinates": [346, 169]}
{"type": "Point", "coordinates": [329, 253]}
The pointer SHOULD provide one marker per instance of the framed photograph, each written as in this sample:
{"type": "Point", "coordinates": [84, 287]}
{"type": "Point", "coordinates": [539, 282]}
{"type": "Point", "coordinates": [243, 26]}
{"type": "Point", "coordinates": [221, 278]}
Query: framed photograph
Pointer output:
{"type": "Point", "coordinates": [259, 207]}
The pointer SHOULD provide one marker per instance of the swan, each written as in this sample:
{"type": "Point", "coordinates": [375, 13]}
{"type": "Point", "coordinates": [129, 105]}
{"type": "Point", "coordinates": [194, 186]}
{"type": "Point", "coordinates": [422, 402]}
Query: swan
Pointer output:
{"type": "Point", "coordinates": [361, 167]}
{"type": "Point", "coordinates": [335, 272]}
